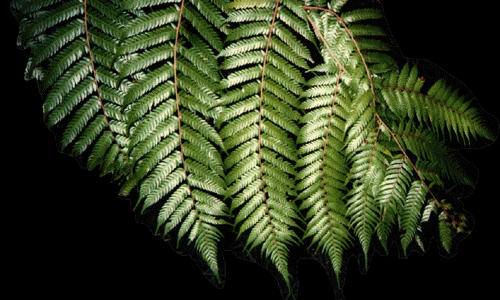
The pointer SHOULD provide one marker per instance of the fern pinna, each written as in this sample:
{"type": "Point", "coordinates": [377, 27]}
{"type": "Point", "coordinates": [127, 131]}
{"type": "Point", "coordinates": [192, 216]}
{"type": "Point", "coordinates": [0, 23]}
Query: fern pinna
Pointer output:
{"type": "Point", "coordinates": [275, 128]}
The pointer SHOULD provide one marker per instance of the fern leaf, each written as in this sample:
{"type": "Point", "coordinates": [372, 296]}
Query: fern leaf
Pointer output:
{"type": "Point", "coordinates": [177, 164]}
{"type": "Point", "coordinates": [410, 217]}
{"type": "Point", "coordinates": [445, 232]}
{"type": "Point", "coordinates": [360, 15]}
{"type": "Point", "coordinates": [362, 209]}
{"type": "Point", "coordinates": [427, 147]}
{"type": "Point", "coordinates": [391, 196]}
{"type": "Point", "coordinates": [342, 164]}
{"type": "Point", "coordinates": [336, 5]}
{"type": "Point", "coordinates": [73, 45]}
{"type": "Point", "coordinates": [323, 167]}
{"type": "Point", "coordinates": [259, 123]}
{"type": "Point", "coordinates": [445, 110]}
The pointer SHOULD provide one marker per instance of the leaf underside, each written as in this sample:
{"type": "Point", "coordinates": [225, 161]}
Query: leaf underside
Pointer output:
{"type": "Point", "coordinates": [263, 125]}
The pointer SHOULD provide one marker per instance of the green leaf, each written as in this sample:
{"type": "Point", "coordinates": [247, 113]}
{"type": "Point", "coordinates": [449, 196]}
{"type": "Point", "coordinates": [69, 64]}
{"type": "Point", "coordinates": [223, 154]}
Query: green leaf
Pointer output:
{"type": "Point", "coordinates": [411, 214]}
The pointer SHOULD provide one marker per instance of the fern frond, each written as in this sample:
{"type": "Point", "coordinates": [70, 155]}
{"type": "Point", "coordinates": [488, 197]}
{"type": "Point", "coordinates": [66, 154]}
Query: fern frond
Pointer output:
{"type": "Point", "coordinates": [342, 164]}
{"type": "Point", "coordinates": [73, 46]}
{"type": "Point", "coordinates": [175, 150]}
{"type": "Point", "coordinates": [323, 169]}
{"type": "Point", "coordinates": [259, 119]}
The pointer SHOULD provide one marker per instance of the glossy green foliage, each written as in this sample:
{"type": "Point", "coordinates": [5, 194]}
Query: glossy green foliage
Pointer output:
{"type": "Point", "coordinates": [262, 126]}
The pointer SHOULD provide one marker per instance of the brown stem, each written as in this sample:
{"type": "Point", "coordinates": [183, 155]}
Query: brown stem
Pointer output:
{"type": "Point", "coordinates": [261, 98]}
{"type": "Point", "coordinates": [177, 104]}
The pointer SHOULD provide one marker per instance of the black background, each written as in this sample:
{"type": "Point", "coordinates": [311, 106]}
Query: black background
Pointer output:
{"type": "Point", "coordinates": [71, 236]}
